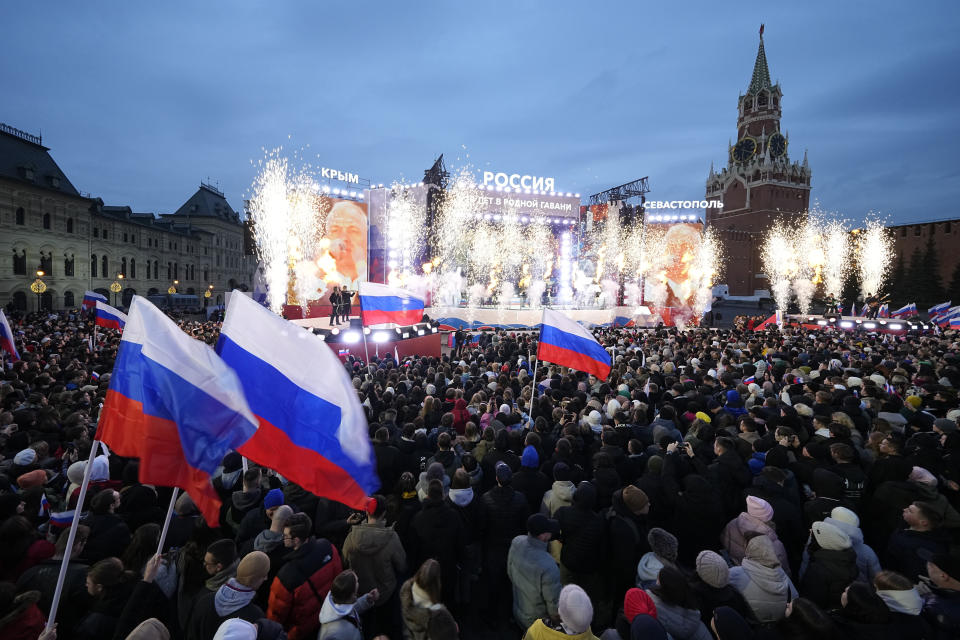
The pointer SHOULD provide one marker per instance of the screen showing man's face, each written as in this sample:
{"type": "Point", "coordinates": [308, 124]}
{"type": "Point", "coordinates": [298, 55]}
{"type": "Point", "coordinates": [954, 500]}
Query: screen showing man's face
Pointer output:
{"type": "Point", "coordinates": [348, 222]}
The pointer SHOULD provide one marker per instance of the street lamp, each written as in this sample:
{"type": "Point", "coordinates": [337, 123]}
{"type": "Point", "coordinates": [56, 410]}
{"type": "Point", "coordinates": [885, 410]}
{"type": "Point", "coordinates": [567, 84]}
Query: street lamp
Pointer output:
{"type": "Point", "coordinates": [116, 287]}
{"type": "Point", "coordinates": [38, 286]}
{"type": "Point", "coordinates": [173, 288]}
{"type": "Point", "coordinates": [207, 294]}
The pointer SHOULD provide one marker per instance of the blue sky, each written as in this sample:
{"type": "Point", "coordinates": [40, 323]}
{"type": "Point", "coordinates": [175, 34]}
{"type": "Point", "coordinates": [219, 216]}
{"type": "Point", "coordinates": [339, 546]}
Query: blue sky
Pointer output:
{"type": "Point", "coordinates": [141, 101]}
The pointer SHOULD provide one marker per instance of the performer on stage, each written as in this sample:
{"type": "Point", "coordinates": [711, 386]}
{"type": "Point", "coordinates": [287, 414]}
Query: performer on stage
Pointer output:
{"type": "Point", "coordinates": [831, 304]}
{"type": "Point", "coordinates": [871, 306]}
{"type": "Point", "coordinates": [335, 302]}
{"type": "Point", "coordinates": [346, 301]}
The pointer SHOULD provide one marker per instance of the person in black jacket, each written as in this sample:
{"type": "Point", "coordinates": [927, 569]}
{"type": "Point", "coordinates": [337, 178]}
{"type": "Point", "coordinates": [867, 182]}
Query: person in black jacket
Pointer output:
{"type": "Point", "coordinates": [713, 589]}
{"type": "Point", "coordinates": [335, 302]}
{"type": "Point", "coordinates": [437, 532]}
{"type": "Point", "coordinates": [583, 533]}
{"type": "Point", "coordinates": [504, 516]}
{"type": "Point", "coordinates": [830, 567]}
{"type": "Point", "coordinates": [627, 540]}
{"type": "Point", "coordinates": [529, 480]}
{"type": "Point", "coordinates": [234, 599]}
{"type": "Point", "coordinates": [110, 586]}
{"type": "Point", "coordinates": [921, 535]}
{"type": "Point", "coordinates": [727, 473]}
{"type": "Point", "coordinates": [109, 534]}
{"type": "Point", "coordinates": [389, 463]}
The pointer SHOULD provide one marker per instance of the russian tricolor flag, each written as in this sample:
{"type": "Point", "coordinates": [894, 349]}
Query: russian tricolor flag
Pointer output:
{"type": "Point", "coordinates": [884, 311]}
{"type": "Point", "coordinates": [948, 316]}
{"type": "Point", "coordinates": [110, 317]}
{"type": "Point", "coordinates": [937, 309]}
{"type": "Point", "coordinates": [312, 428]}
{"type": "Point", "coordinates": [568, 344]}
{"type": "Point", "coordinates": [381, 304]}
{"type": "Point", "coordinates": [174, 404]}
{"type": "Point", "coordinates": [749, 380]}
{"type": "Point", "coordinates": [6, 338]}
{"type": "Point", "coordinates": [905, 311]}
{"type": "Point", "coordinates": [90, 299]}
{"type": "Point", "coordinates": [955, 323]}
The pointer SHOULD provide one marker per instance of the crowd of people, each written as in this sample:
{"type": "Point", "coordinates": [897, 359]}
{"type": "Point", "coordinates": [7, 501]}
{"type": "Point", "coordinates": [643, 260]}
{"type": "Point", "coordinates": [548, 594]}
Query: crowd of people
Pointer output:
{"type": "Point", "coordinates": [723, 484]}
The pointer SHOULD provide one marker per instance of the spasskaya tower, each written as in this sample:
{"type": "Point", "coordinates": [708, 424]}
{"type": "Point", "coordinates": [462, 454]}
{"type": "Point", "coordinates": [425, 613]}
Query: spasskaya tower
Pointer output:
{"type": "Point", "coordinates": [759, 186]}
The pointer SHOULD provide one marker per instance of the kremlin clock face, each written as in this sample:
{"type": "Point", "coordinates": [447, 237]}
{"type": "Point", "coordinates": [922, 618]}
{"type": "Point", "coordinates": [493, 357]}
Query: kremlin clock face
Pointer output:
{"type": "Point", "coordinates": [744, 149]}
{"type": "Point", "coordinates": [777, 145]}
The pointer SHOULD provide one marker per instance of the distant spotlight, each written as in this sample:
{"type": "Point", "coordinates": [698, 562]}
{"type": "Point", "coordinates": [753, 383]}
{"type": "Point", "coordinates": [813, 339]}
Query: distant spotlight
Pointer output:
{"type": "Point", "coordinates": [822, 323]}
{"type": "Point", "coordinates": [366, 331]}
{"type": "Point", "coordinates": [381, 336]}
{"type": "Point", "coordinates": [869, 325]}
{"type": "Point", "coordinates": [335, 331]}
{"type": "Point", "coordinates": [351, 337]}
{"type": "Point", "coordinates": [846, 324]}
{"type": "Point", "coordinates": [896, 326]}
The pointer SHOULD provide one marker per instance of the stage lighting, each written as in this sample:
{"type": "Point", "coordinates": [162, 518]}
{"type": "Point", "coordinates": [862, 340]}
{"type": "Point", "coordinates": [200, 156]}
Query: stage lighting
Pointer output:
{"type": "Point", "coordinates": [846, 324]}
{"type": "Point", "coordinates": [397, 329]}
{"type": "Point", "coordinates": [882, 322]}
{"type": "Point", "coordinates": [822, 323]}
{"type": "Point", "coordinates": [434, 329]}
{"type": "Point", "coordinates": [335, 331]}
{"type": "Point", "coordinates": [833, 319]}
{"type": "Point", "coordinates": [351, 337]}
{"type": "Point", "coordinates": [859, 321]}
{"type": "Point", "coordinates": [869, 325]}
{"type": "Point", "coordinates": [366, 331]}
{"type": "Point", "coordinates": [381, 336]}
{"type": "Point", "coordinates": [405, 335]}
{"type": "Point", "coordinates": [420, 332]}
{"type": "Point", "coordinates": [896, 326]}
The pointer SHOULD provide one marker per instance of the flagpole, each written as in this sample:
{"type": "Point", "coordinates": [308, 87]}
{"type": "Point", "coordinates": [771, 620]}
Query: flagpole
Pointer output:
{"type": "Point", "coordinates": [166, 521]}
{"type": "Point", "coordinates": [68, 551]}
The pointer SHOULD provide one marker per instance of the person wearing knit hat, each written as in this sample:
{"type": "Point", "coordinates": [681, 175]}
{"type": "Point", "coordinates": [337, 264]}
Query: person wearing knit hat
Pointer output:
{"type": "Point", "coordinates": [663, 544]}
{"type": "Point", "coordinates": [575, 609]}
{"type": "Point", "coordinates": [272, 500]}
{"type": "Point", "coordinates": [593, 421]}
{"type": "Point", "coordinates": [944, 425]}
{"type": "Point", "coordinates": [914, 401]}
{"type": "Point", "coordinates": [635, 499]}
{"type": "Point", "coordinates": [920, 475]}
{"type": "Point", "coordinates": [713, 569]}
{"type": "Point", "coordinates": [236, 629]}
{"type": "Point", "coordinates": [31, 479]}
{"type": "Point", "coordinates": [234, 598]}
{"type": "Point", "coordinates": [25, 458]}
{"type": "Point", "coordinates": [530, 458]}
{"type": "Point", "coordinates": [700, 415]}
{"type": "Point", "coordinates": [149, 629]}
{"type": "Point", "coordinates": [185, 506]}
{"type": "Point", "coordinates": [830, 565]}
{"type": "Point", "coordinates": [755, 520]}
{"type": "Point", "coordinates": [638, 602]}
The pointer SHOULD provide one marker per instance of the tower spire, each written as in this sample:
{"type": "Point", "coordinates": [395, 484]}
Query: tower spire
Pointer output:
{"type": "Point", "coordinates": [761, 73]}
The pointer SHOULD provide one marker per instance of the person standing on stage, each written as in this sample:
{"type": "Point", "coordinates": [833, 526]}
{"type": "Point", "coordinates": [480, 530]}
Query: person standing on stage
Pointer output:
{"type": "Point", "coordinates": [346, 300]}
{"type": "Point", "coordinates": [335, 302]}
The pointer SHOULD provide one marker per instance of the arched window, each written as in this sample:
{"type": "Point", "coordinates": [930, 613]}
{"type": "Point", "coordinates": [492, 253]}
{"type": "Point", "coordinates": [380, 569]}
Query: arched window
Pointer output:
{"type": "Point", "coordinates": [46, 263]}
{"type": "Point", "coordinates": [21, 216]}
{"type": "Point", "coordinates": [133, 267]}
{"type": "Point", "coordinates": [68, 268]}
{"type": "Point", "coordinates": [69, 230]}
{"type": "Point", "coordinates": [46, 221]}
{"type": "Point", "coordinates": [93, 266]}
{"type": "Point", "coordinates": [169, 271]}
{"type": "Point", "coordinates": [68, 299]}
{"type": "Point", "coordinates": [105, 270]}
{"type": "Point", "coordinates": [20, 262]}
{"type": "Point", "coordinates": [20, 300]}
{"type": "Point", "coordinates": [148, 269]}
{"type": "Point", "coordinates": [123, 266]}
{"type": "Point", "coordinates": [156, 269]}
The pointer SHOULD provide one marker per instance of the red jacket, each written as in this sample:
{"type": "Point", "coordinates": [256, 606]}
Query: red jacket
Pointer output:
{"type": "Point", "coordinates": [460, 416]}
{"type": "Point", "coordinates": [297, 592]}
{"type": "Point", "coordinates": [25, 621]}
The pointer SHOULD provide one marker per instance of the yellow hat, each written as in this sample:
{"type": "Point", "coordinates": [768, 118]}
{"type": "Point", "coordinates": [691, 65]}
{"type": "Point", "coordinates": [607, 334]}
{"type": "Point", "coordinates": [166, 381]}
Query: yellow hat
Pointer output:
{"type": "Point", "coordinates": [702, 416]}
{"type": "Point", "coordinates": [915, 401]}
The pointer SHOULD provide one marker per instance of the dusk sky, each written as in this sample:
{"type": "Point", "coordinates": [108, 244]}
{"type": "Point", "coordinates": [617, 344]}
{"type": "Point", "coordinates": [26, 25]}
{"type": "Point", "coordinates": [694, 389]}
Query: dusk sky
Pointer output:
{"type": "Point", "coordinates": [139, 102]}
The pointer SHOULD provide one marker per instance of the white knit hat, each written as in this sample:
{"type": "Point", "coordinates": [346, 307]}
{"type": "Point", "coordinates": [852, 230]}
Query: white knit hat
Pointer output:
{"type": "Point", "coordinates": [575, 608]}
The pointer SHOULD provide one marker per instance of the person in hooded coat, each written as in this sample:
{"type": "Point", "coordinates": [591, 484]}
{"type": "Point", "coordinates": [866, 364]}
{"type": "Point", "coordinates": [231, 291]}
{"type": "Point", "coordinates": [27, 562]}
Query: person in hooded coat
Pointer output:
{"type": "Point", "coordinates": [905, 605]}
{"type": "Point", "coordinates": [342, 608]}
{"type": "Point", "coordinates": [698, 513]}
{"type": "Point", "coordinates": [234, 598]}
{"type": "Point", "coordinates": [762, 581]}
{"type": "Point", "coordinates": [868, 565]}
{"type": "Point", "coordinates": [862, 614]}
{"type": "Point", "coordinates": [529, 480]}
{"type": "Point", "coordinates": [466, 505]}
{"type": "Point", "coordinates": [828, 495]}
{"type": "Point", "coordinates": [676, 608]}
{"type": "Point", "coordinates": [560, 494]}
{"type": "Point", "coordinates": [830, 567]}
{"type": "Point", "coordinates": [712, 587]}
{"type": "Point", "coordinates": [757, 519]}
{"type": "Point", "coordinates": [437, 532]}
{"type": "Point", "coordinates": [583, 533]}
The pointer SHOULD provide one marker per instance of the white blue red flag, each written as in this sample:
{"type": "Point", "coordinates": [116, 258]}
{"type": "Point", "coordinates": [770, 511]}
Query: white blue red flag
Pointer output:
{"type": "Point", "coordinates": [905, 311]}
{"type": "Point", "coordinates": [937, 309]}
{"type": "Point", "coordinates": [6, 338]}
{"type": "Point", "coordinates": [174, 404]}
{"type": "Point", "coordinates": [312, 429]}
{"type": "Point", "coordinates": [110, 317]}
{"type": "Point", "coordinates": [90, 299]}
{"type": "Point", "coordinates": [944, 317]}
{"type": "Point", "coordinates": [568, 344]}
{"type": "Point", "coordinates": [955, 323]}
{"type": "Point", "coordinates": [381, 304]}
{"type": "Point", "coordinates": [884, 311]}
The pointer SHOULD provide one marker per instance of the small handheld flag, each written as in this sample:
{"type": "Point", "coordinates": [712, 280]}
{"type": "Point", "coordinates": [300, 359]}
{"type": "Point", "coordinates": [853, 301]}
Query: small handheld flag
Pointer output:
{"type": "Point", "coordinates": [110, 317]}
{"type": "Point", "coordinates": [6, 338]}
{"type": "Point", "coordinates": [90, 299]}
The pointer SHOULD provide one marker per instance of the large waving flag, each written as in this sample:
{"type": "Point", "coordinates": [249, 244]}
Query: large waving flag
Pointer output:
{"type": "Point", "coordinates": [90, 299]}
{"type": "Point", "coordinates": [773, 319]}
{"type": "Point", "coordinates": [946, 317]}
{"type": "Point", "coordinates": [568, 344]}
{"type": "Point", "coordinates": [884, 311]}
{"type": "Point", "coordinates": [937, 309]}
{"type": "Point", "coordinates": [381, 304]}
{"type": "Point", "coordinates": [312, 427]}
{"type": "Point", "coordinates": [905, 311]}
{"type": "Point", "coordinates": [6, 338]}
{"type": "Point", "coordinates": [174, 404]}
{"type": "Point", "coordinates": [110, 317]}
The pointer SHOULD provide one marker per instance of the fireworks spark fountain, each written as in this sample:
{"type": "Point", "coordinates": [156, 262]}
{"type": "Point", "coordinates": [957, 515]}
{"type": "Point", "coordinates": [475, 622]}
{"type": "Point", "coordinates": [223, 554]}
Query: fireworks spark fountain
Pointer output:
{"type": "Point", "coordinates": [874, 256]}
{"type": "Point", "coordinates": [780, 263]}
{"type": "Point", "coordinates": [269, 210]}
{"type": "Point", "coordinates": [836, 249]}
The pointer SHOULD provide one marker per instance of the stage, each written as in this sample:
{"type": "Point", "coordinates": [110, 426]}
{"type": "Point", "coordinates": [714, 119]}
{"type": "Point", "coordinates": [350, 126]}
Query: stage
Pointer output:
{"type": "Point", "coordinates": [478, 318]}
{"type": "Point", "coordinates": [858, 323]}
